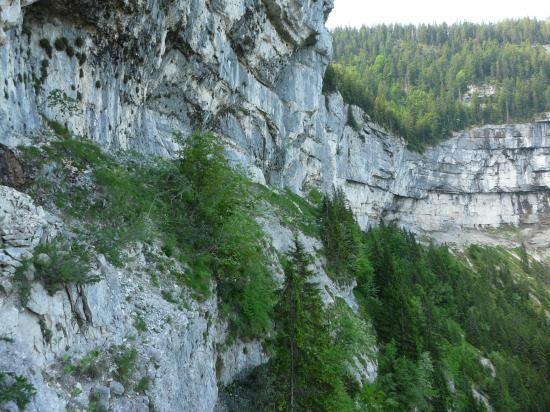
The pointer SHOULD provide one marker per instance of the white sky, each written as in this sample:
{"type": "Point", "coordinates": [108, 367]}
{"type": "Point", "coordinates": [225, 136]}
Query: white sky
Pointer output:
{"type": "Point", "coordinates": [372, 12]}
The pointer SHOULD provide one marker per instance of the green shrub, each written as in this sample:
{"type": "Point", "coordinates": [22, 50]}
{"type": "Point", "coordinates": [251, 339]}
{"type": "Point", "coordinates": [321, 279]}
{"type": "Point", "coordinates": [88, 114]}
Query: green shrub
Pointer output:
{"type": "Point", "coordinates": [293, 210]}
{"type": "Point", "coordinates": [67, 263]}
{"type": "Point", "coordinates": [125, 361]}
{"type": "Point", "coordinates": [59, 129]}
{"type": "Point", "coordinates": [45, 44]}
{"type": "Point", "coordinates": [70, 51]}
{"type": "Point", "coordinates": [92, 365]}
{"type": "Point", "coordinates": [143, 385]}
{"type": "Point", "coordinates": [81, 60]}
{"type": "Point", "coordinates": [22, 282]}
{"type": "Point", "coordinates": [168, 297]}
{"type": "Point", "coordinates": [169, 246]}
{"type": "Point", "coordinates": [20, 391]}
{"type": "Point", "coordinates": [44, 64]}
{"type": "Point", "coordinates": [220, 229]}
{"type": "Point", "coordinates": [140, 324]}
{"type": "Point", "coordinates": [61, 43]}
{"type": "Point", "coordinates": [199, 276]}
{"type": "Point", "coordinates": [315, 197]}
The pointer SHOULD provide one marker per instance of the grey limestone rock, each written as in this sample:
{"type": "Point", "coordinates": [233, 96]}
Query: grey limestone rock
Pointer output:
{"type": "Point", "coordinates": [116, 388]}
{"type": "Point", "coordinates": [251, 71]}
{"type": "Point", "coordinates": [131, 74]}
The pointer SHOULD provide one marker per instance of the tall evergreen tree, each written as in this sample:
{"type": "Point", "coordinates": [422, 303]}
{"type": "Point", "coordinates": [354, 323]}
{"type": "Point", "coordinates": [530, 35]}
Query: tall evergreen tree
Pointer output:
{"type": "Point", "coordinates": [305, 361]}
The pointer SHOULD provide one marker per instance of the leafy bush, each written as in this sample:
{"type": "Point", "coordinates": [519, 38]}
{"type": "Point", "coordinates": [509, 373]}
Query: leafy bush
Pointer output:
{"type": "Point", "coordinates": [66, 263]}
{"type": "Point", "coordinates": [140, 323]}
{"type": "Point", "coordinates": [92, 365]}
{"type": "Point", "coordinates": [61, 43]}
{"type": "Point", "coordinates": [219, 234]}
{"type": "Point", "coordinates": [143, 385]}
{"type": "Point", "coordinates": [59, 129]}
{"type": "Point", "coordinates": [56, 265]}
{"type": "Point", "coordinates": [201, 208]}
{"type": "Point", "coordinates": [293, 210]}
{"type": "Point", "coordinates": [45, 44]}
{"type": "Point", "coordinates": [22, 281]}
{"type": "Point", "coordinates": [15, 388]}
{"type": "Point", "coordinates": [125, 360]}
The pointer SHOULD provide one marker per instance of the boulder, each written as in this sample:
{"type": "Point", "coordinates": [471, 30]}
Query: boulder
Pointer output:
{"type": "Point", "coordinates": [116, 388]}
{"type": "Point", "coordinates": [11, 169]}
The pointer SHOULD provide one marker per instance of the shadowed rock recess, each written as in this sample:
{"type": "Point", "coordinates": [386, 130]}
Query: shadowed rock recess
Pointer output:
{"type": "Point", "coordinates": [131, 75]}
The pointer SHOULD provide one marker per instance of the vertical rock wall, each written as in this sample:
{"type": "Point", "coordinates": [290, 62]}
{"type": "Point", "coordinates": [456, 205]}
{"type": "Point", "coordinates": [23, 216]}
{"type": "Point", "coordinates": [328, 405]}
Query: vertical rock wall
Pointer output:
{"type": "Point", "coordinates": [131, 74]}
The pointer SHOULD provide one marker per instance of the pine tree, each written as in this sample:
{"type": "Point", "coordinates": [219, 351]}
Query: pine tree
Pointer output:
{"type": "Point", "coordinates": [341, 237]}
{"type": "Point", "coordinates": [306, 364]}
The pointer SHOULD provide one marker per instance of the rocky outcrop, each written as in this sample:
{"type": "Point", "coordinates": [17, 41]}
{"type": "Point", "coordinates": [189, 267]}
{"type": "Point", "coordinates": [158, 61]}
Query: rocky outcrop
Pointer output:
{"type": "Point", "coordinates": [11, 169]}
{"type": "Point", "coordinates": [176, 347]}
{"type": "Point", "coordinates": [252, 72]}
{"type": "Point", "coordinates": [131, 74]}
{"type": "Point", "coordinates": [478, 180]}
{"type": "Point", "coordinates": [22, 226]}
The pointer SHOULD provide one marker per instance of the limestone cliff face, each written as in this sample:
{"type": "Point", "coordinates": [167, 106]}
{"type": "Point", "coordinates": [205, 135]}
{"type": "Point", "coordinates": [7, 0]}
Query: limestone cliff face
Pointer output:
{"type": "Point", "coordinates": [495, 176]}
{"type": "Point", "coordinates": [131, 74]}
{"type": "Point", "coordinates": [249, 69]}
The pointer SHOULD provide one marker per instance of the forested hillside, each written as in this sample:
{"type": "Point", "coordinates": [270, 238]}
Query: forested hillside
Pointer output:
{"type": "Point", "coordinates": [461, 331]}
{"type": "Point", "coordinates": [423, 82]}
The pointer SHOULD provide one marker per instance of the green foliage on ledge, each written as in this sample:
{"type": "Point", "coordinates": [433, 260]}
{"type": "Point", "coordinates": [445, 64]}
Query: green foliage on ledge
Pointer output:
{"type": "Point", "coordinates": [15, 388]}
{"type": "Point", "coordinates": [55, 264]}
{"type": "Point", "coordinates": [202, 210]}
{"type": "Point", "coordinates": [294, 211]}
{"type": "Point", "coordinates": [218, 231]}
{"type": "Point", "coordinates": [60, 263]}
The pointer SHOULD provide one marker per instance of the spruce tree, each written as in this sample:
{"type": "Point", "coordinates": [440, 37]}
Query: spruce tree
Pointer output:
{"type": "Point", "coordinates": [305, 362]}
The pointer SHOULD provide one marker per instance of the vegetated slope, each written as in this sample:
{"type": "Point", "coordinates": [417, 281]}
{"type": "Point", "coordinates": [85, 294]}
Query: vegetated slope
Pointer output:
{"type": "Point", "coordinates": [451, 331]}
{"type": "Point", "coordinates": [437, 314]}
{"type": "Point", "coordinates": [448, 330]}
{"type": "Point", "coordinates": [423, 82]}
{"type": "Point", "coordinates": [461, 332]}
{"type": "Point", "coordinates": [199, 208]}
